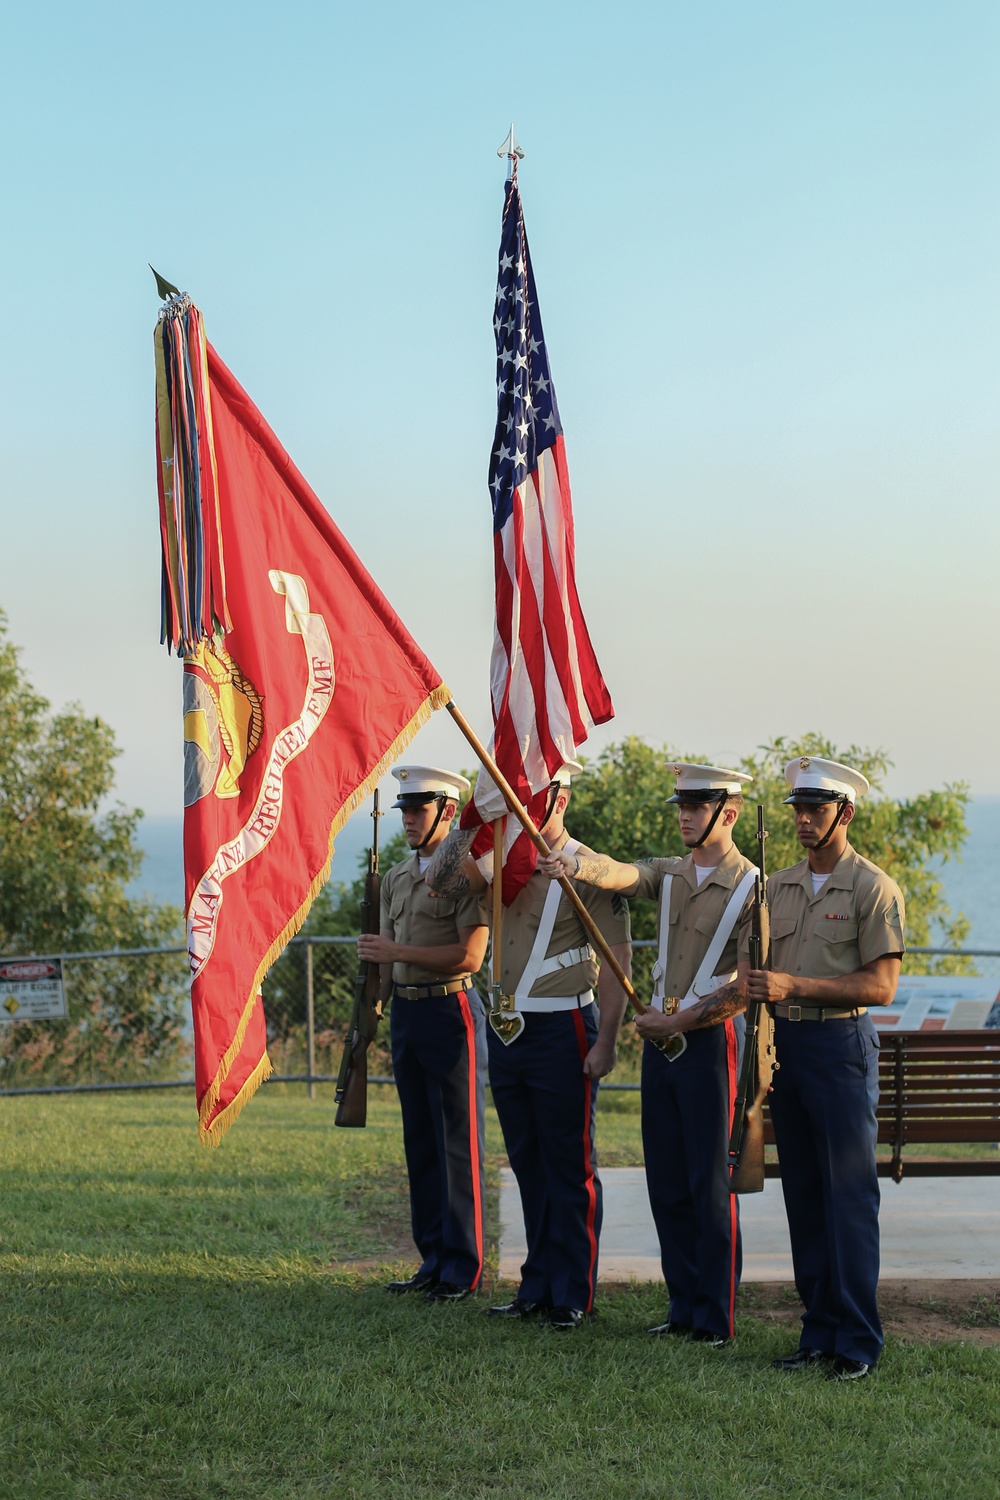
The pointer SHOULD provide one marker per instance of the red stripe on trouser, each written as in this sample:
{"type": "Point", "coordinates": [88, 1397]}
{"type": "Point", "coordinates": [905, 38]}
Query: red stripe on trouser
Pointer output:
{"type": "Point", "coordinates": [588, 1160]}
{"type": "Point", "coordinates": [470, 1045]}
{"type": "Point", "coordinates": [731, 1069]}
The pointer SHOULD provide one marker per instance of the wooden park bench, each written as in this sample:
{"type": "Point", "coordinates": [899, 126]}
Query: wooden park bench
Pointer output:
{"type": "Point", "coordinates": [935, 1088]}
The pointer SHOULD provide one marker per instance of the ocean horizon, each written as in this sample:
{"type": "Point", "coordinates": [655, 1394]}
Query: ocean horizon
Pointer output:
{"type": "Point", "coordinates": [972, 883]}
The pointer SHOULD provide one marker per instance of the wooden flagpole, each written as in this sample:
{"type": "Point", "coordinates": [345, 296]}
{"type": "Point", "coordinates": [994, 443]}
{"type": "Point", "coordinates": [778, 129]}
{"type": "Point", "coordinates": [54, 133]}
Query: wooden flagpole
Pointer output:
{"type": "Point", "coordinates": [497, 906]}
{"type": "Point", "coordinates": [524, 818]}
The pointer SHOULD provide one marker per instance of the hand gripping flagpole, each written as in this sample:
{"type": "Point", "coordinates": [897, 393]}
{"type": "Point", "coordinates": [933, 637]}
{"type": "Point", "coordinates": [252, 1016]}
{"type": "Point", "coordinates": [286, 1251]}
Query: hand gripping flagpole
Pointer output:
{"type": "Point", "coordinates": [524, 818]}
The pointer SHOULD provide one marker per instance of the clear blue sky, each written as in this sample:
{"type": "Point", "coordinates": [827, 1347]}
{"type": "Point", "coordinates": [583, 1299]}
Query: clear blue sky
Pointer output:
{"type": "Point", "coordinates": [767, 246]}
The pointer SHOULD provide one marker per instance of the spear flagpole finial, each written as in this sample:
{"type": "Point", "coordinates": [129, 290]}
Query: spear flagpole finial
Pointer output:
{"type": "Point", "coordinates": [164, 288]}
{"type": "Point", "coordinates": [512, 151]}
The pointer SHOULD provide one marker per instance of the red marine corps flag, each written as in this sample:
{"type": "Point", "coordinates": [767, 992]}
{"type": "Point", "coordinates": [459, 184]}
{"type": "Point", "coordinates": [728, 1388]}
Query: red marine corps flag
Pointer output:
{"type": "Point", "coordinates": [301, 687]}
{"type": "Point", "coordinates": [545, 681]}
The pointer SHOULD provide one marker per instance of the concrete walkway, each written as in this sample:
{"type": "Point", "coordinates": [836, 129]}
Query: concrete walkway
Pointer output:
{"type": "Point", "coordinates": [945, 1227]}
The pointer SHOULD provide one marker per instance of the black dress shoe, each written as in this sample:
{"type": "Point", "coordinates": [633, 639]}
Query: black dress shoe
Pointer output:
{"type": "Point", "coordinates": [844, 1369]}
{"type": "Point", "coordinates": [802, 1359]}
{"type": "Point", "coordinates": [420, 1281]}
{"type": "Point", "coordinates": [447, 1291]}
{"type": "Point", "coordinates": [563, 1318]}
{"type": "Point", "coordinates": [712, 1340]}
{"type": "Point", "coordinates": [678, 1330]}
{"type": "Point", "coordinates": [518, 1308]}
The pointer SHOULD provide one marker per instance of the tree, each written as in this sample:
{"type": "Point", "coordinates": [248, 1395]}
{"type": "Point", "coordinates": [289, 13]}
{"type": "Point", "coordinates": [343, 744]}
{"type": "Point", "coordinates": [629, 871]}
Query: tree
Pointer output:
{"type": "Point", "coordinates": [620, 807]}
{"type": "Point", "coordinates": [64, 868]}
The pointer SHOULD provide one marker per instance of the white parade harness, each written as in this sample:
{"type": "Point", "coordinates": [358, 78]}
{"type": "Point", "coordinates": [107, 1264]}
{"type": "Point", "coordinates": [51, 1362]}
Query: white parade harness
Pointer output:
{"type": "Point", "coordinates": [538, 965]}
{"type": "Point", "coordinates": [706, 981]}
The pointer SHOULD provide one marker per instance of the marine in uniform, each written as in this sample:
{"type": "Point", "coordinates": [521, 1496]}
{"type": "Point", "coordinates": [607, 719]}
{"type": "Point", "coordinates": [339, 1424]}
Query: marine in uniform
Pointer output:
{"type": "Point", "coordinates": [704, 901]}
{"type": "Point", "coordinates": [545, 1081]}
{"type": "Point", "coordinates": [836, 947]}
{"type": "Point", "coordinates": [429, 947]}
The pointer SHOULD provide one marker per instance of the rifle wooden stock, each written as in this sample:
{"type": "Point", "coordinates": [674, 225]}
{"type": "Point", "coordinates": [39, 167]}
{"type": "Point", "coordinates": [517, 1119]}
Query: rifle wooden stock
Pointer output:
{"type": "Point", "coordinates": [352, 1093]}
{"type": "Point", "coordinates": [747, 1174]}
{"type": "Point", "coordinates": [366, 1012]}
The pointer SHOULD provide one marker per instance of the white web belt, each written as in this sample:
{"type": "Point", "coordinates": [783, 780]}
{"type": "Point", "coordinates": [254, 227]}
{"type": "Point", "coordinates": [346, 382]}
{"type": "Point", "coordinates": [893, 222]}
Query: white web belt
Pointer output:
{"type": "Point", "coordinates": [706, 981]}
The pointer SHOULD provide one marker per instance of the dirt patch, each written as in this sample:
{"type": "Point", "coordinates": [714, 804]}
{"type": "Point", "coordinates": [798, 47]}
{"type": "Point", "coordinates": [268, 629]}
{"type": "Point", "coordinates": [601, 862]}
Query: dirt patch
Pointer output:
{"type": "Point", "coordinates": [921, 1311]}
{"type": "Point", "coordinates": [380, 1267]}
{"type": "Point", "coordinates": [378, 1210]}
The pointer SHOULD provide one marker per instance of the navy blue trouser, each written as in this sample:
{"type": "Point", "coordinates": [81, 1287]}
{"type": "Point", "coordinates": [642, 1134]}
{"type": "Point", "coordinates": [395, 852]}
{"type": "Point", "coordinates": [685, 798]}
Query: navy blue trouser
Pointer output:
{"type": "Point", "coordinates": [439, 1061]}
{"type": "Point", "coordinates": [546, 1108]}
{"type": "Point", "coordinates": [687, 1109]}
{"type": "Point", "coordinates": [823, 1107]}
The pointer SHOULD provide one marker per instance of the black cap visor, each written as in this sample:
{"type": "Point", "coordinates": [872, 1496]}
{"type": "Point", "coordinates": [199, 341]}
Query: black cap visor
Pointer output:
{"type": "Point", "coordinates": [693, 798]}
{"type": "Point", "coordinates": [420, 799]}
{"type": "Point", "coordinates": [815, 796]}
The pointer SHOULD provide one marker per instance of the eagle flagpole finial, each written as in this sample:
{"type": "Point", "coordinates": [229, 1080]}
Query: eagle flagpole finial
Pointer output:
{"type": "Point", "coordinates": [512, 151]}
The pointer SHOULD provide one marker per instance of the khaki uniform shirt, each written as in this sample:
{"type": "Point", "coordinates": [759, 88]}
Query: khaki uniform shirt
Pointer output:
{"type": "Point", "coordinates": [695, 913]}
{"type": "Point", "coordinates": [520, 925]}
{"type": "Point", "coordinates": [415, 915]}
{"type": "Point", "coordinates": [856, 917]}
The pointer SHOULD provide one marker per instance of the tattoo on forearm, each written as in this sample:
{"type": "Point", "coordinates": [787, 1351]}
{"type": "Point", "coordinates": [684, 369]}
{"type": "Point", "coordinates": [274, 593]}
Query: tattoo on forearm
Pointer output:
{"type": "Point", "coordinates": [728, 1001]}
{"type": "Point", "coordinates": [445, 873]}
{"type": "Point", "coordinates": [593, 868]}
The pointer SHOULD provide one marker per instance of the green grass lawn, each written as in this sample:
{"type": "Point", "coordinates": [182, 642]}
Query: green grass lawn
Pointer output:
{"type": "Point", "coordinates": [178, 1322]}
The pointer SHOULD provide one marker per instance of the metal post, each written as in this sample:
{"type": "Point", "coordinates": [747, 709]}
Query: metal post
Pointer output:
{"type": "Point", "coordinates": [310, 1024]}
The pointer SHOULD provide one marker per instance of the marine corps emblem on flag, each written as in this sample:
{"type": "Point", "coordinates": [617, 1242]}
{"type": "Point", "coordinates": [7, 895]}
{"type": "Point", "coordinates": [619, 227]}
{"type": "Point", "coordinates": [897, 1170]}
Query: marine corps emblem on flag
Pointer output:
{"type": "Point", "coordinates": [223, 723]}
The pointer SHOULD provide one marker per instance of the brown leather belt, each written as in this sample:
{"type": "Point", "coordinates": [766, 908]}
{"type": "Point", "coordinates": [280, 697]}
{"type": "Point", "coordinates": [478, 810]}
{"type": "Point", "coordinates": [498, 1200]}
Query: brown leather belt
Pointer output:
{"type": "Point", "coordinates": [430, 991]}
{"type": "Point", "coordinates": [816, 1012]}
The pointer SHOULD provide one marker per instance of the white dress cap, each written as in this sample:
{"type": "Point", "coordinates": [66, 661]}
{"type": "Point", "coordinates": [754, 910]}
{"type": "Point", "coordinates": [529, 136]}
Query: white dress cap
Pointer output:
{"type": "Point", "coordinates": [424, 783]}
{"type": "Point", "coordinates": [812, 774]}
{"type": "Point", "coordinates": [566, 772]}
{"type": "Point", "coordinates": [692, 778]}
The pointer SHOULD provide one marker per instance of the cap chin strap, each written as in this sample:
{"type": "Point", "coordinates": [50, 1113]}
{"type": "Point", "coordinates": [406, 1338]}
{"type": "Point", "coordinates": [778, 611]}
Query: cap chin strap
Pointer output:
{"type": "Point", "coordinates": [553, 798]}
{"type": "Point", "coordinates": [442, 803]}
{"type": "Point", "coordinates": [713, 820]}
{"type": "Point", "coordinates": [828, 835]}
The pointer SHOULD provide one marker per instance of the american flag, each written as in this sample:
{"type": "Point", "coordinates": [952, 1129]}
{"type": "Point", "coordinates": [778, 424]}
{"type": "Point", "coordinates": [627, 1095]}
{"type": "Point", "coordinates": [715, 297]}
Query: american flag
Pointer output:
{"type": "Point", "coordinates": [546, 685]}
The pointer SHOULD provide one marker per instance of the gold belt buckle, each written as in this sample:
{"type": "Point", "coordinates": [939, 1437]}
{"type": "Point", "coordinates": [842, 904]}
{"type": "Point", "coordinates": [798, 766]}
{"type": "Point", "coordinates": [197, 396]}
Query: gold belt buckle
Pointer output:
{"type": "Point", "coordinates": [670, 1046]}
{"type": "Point", "coordinates": [506, 1020]}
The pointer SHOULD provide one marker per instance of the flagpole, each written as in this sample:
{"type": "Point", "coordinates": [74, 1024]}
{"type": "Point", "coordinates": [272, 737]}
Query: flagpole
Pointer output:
{"type": "Point", "coordinates": [524, 818]}
{"type": "Point", "coordinates": [497, 904]}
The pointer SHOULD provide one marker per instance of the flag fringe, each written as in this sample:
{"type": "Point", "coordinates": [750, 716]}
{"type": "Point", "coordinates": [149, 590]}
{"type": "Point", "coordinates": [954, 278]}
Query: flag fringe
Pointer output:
{"type": "Point", "coordinates": [212, 1133]}
{"type": "Point", "coordinates": [207, 1125]}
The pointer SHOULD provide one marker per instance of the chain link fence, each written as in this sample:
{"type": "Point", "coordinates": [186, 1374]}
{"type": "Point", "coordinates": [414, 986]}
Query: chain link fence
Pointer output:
{"type": "Point", "coordinates": [129, 1019]}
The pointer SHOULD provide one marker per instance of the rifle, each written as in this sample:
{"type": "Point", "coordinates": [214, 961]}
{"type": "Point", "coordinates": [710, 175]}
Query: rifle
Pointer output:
{"type": "Point", "coordinates": [746, 1139]}
{"type": "Point", "coordinates": [352, 1081]}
